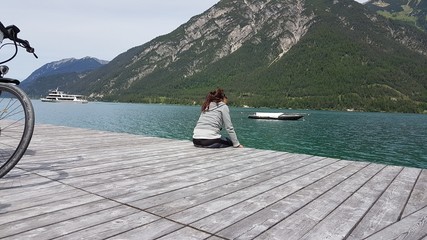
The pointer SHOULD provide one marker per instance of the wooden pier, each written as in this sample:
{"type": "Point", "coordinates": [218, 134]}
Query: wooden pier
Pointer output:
{"type": "Point", "coordinates": [85, 184]}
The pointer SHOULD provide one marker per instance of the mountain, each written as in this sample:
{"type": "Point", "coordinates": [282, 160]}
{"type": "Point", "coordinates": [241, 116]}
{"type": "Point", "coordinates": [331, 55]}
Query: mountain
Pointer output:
{"type": "Point", "coordinates": [59, 74]}
{"type": "Point", "coordinates": [410, 11]}
{"type": "Point", "coordinates": [316, 54]}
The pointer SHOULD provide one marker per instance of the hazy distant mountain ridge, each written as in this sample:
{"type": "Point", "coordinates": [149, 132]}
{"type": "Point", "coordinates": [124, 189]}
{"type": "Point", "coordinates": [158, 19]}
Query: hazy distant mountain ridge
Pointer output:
{"type": "Point", "coordinates": [66, 66]}
{"type": "Point", "coordinates": [59, 74]}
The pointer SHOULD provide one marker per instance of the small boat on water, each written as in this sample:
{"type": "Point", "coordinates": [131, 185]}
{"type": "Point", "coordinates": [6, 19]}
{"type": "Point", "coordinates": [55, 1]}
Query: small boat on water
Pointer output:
{"type": "Point", "coordinates": [60, 96]}
{"type": "Point", "coordinates": [276, 116]}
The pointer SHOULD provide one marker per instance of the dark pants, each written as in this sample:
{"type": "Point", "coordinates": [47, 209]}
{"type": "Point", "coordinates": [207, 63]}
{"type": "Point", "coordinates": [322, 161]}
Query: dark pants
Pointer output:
{"type": "Point", "coordinates": [213, 143]}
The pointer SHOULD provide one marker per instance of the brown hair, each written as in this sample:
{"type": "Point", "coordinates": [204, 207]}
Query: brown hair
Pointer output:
{"type": "Point", "coordinates": [215, 96]}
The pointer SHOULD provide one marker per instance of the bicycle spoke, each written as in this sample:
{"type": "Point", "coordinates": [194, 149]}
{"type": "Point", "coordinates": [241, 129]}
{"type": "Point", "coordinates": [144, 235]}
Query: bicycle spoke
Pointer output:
{"type": "Point", "coordinates": [16, 126]}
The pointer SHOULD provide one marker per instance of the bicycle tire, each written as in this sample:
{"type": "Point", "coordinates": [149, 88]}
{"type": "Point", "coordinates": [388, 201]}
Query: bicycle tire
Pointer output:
{"type": "Point", "coordinates": [16, 125]}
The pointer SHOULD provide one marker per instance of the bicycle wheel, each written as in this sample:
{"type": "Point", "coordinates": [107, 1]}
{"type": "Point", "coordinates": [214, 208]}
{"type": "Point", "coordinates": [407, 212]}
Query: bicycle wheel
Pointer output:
{"type": "Point", "coordinates": [16, 125]}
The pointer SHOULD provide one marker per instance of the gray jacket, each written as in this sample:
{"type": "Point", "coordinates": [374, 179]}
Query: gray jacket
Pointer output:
{"type": "Point", "coordinates": [211, 122]}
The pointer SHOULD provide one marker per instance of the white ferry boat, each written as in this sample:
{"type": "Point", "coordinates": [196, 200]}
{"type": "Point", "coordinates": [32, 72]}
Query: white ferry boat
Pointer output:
{"type": "Point", "coordinates": [277, 116]}
{"type": "Point", "coordinates": [60, 96]}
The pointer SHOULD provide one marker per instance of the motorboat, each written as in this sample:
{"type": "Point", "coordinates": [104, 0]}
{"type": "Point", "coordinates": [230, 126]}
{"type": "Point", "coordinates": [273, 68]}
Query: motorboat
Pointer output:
{"type": "Point", "coordinates": [60, 96]}
{"type": "Point", "coordinates": [276, 116]}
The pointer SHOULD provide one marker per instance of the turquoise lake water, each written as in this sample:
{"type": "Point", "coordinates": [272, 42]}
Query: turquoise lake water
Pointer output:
{"type": "Point", "coordinates": [390, 138]}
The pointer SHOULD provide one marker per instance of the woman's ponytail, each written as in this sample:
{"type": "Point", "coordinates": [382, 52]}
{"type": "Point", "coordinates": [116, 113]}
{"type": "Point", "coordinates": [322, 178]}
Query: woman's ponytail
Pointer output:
{"type": "Point", "coordinates": [215, 96]}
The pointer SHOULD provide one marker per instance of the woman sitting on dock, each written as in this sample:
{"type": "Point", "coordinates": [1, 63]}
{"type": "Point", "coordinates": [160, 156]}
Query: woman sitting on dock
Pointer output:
{"type": "Point", "coordinates": [215, 115]}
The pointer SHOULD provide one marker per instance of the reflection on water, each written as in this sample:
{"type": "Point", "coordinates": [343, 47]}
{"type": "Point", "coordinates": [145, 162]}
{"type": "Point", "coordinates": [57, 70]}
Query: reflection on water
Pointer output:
{"type": "Point", "coordinates": [389, 138]}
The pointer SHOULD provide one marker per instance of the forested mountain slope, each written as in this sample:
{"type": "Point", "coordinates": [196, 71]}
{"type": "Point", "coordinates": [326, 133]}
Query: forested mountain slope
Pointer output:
{"type": "Point", "coordinates": [413, 12]}
{"type": "Point", "coordinates": [316, 54]}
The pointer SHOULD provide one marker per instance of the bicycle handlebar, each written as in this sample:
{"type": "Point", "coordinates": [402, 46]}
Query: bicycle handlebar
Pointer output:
{"type": "Point", "coordinates": [11, 32]}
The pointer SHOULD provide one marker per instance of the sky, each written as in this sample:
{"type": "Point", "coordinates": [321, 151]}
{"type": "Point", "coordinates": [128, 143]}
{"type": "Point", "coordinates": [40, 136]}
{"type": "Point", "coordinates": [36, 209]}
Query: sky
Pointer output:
{"type": "Point", "coordinates": [60, 29]}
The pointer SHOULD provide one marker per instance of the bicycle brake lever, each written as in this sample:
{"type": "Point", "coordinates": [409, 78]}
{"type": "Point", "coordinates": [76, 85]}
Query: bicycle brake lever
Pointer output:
{"type": "Point", "coordinates": [30, 49]}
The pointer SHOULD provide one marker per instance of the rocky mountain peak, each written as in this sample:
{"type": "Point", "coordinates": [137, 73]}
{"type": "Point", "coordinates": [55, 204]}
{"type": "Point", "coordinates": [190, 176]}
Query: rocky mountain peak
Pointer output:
{"type": "Point", "coordinates": [225, 28]}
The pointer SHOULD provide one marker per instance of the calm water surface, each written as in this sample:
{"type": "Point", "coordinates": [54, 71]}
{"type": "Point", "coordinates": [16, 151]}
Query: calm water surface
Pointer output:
{"type": "Point", "coordinates": [398, 139]}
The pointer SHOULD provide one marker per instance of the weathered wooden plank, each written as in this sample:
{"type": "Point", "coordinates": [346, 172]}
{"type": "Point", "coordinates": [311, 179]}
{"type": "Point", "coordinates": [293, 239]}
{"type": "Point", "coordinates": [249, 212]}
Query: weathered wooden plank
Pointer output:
{"type": "Point", "coordinates": [67, 151]}
{"type": "Point", "coordinates": [255, 224]}
{"type": "Point", "coordinates": [110, 168]}
{"type": "Point", "coordinates": [162, 182]}
{"type": "Point", "coordinates": [32, 201]}
{"type": "Point", "coordinates": [389, 206]}
{"type": "Point", "coordinates": [80, 159]}
{"type": "Point", "coordinates": [418, 197]}
{"type": "Point", "coordinates": [16, 175]}
{"type": "Point", "coordinates": [17, 183]}
{"type": "Point", "coordinates": [135, 167]}
{"type": "Point", "coordinates": [13, 228]}
{"type": "Point", "coordinates": [239, 185]}
{"type": "Point", "coordinates": [214, 238]}
{"type": "Point", "coordinates": [228, 216]}
{"type": "Point", "coordinates": [113, 227]}
{"type": "Point", "coordinates": [205, 209]}
{"type": "Point", "coordinates": [153, 230]}
{"type": "Point", "coordinates": [101, 185]}
{"type": "Point", "coordinates": [242, 171]}
{"type": "Point", "coordinates": [413, 226]}
{"type": "Point", "coordinates": [187, 234]}
{"type": "Point", "coordinates": [158, 184]}
{"type": "Point", "coordinates": [303, 220]}
{"type": "Point", "coordinates": [23, 191]}
{"type": "Point", "coordinates": [65, 227]}
{"type": "Point", "coordinates": [354, 208]}
{"type": "Point", "coordinates": [139, 167]}
{"type": "Point", "coordinates": [113, 143]}
{"type": "Point", "coordinates": [46, 208]}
